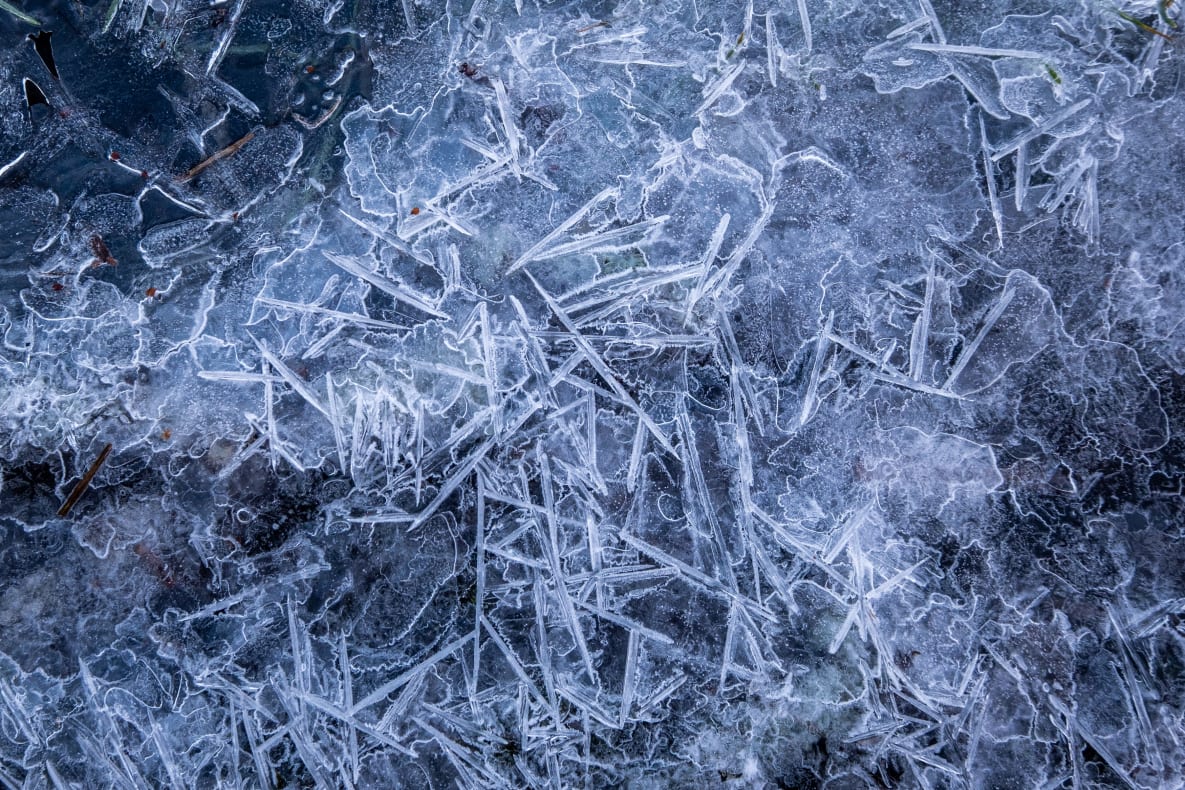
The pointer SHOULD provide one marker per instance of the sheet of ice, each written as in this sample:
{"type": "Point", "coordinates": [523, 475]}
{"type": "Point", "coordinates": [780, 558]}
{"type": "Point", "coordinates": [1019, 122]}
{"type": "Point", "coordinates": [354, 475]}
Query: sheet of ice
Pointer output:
{"type": "Point", "coordinates": [477, 394]}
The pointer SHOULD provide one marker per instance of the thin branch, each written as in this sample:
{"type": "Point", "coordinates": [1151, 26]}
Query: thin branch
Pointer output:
{"type": "Point", "coordinates": [82, 485]}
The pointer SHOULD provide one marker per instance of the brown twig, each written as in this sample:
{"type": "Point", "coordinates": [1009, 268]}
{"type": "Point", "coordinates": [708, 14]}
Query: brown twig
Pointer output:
{"type": "Point", "coordinates": [325, 116]}
{"type": "Point", "coordinates": [84, 483]}
{"type": "Point", "coordinates": [217, 156]}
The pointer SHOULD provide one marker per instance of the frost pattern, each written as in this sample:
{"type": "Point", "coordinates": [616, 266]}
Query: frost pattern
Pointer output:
{"type": "Point", "coordinates": [490, 394]}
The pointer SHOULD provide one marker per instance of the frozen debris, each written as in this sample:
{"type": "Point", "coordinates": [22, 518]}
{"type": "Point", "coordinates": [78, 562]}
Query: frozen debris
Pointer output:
{"type": "Point", "coordinates": [223, 153]}
{"type": "Point", "coordinates": [84, 483]}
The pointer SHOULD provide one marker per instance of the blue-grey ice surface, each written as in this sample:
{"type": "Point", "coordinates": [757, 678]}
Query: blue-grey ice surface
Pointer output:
{"type": "Point", "coordinates": [492, 393]}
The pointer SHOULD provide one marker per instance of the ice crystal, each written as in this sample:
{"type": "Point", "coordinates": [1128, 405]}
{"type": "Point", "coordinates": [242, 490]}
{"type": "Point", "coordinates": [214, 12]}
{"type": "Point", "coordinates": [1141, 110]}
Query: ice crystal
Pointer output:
{"type": "Point", "coordinates": [532, 394]}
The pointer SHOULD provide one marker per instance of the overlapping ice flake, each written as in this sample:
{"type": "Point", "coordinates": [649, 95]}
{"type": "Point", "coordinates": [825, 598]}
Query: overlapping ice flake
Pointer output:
{"type": "Point", "coordinates": [517, 394]}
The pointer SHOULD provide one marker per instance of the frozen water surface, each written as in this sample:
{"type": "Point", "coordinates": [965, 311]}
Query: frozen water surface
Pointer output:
{"type": "Point", "coordinates": [521, 394]}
